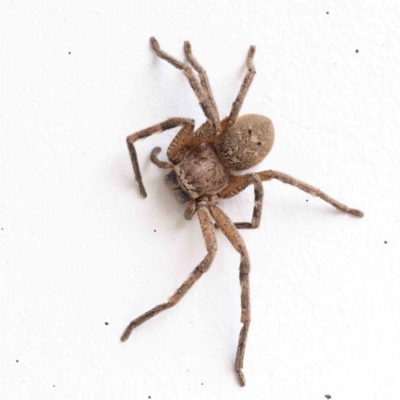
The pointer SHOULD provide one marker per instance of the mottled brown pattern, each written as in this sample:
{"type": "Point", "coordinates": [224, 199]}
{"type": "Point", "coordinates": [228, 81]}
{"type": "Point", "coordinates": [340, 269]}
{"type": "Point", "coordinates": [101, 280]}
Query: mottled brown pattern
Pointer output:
{"type": "Point", "coordinates": [200, 172]}
{"type": "Point", "coordinates": [246, 143]}
{"type": "Point", "coordinates": [201, 164]}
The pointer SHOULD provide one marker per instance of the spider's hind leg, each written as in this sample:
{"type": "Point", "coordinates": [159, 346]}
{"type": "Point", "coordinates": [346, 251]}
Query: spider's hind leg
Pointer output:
{"type": "Point", "coordinates": [204, 99]}
{"type": "Point", "coordinates": [202, 75]}
{"type": "Point", "coordinates": [248, 79]}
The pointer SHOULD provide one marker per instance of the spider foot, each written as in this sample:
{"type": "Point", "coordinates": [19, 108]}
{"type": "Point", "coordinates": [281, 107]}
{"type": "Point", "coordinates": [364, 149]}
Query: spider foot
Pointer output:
{"type": "Point", "coordinates": [154, 44]}
{"type": "Point", "coordinates": [250, 56]}
{"type": "Point", "coordinates": [187, 47]}
{"type": "Point", "coordinates": [356, 212]}
{"type": "Point", "coordinates": [128, 331]}
{"type": "Point", "coordinates": [242, 379]}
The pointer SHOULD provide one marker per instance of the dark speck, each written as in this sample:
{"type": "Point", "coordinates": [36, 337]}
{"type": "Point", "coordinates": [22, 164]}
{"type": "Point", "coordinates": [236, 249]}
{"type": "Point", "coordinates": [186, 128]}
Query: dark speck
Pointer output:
{"type": "Point", "coordinates": [106, 323]}
{"type": "Point", "coordinates": [149, 397]}
{"type": "Point", "coordinates": [201, 382]}
{"type": "Point", "coordinates": [16, 360]}
{"type": "Point", "coordinates": [54, 385]}
{"type": "Point", "coordinates": [155, 230]}
{"type": "Point", "coordinates": [356, 50]}
{"type": "Point", "coordinates": [258, 143]}
{"type": "Point", "coordinates": [69, 52]}
{"type": "Point", "coordinates": [307, 200]}
{"type": "Point", "coordinates": [328, 396]}
{"type": "Point", "coordinates": [385, 242]}
{"type": "Point", "coordinates": [327, 12]}
{"type": "Point", "coordinates": [249, 131]}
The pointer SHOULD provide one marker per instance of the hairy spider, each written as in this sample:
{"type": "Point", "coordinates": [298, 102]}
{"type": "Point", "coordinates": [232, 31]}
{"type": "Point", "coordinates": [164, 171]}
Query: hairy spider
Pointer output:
{"type": "Point", "coordinates": [201, 163]}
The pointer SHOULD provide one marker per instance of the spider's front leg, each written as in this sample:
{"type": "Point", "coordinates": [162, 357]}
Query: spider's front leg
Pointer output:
{"type": "Point", "coordinates": [208, 231]}
{"type": "Point", "coordinates": [186, 131]}
{"type": "Point", "coordinates": [230, 231]}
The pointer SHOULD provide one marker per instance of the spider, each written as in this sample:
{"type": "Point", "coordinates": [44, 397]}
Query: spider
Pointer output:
{"type": "Point", "coordinates": [202, 163]}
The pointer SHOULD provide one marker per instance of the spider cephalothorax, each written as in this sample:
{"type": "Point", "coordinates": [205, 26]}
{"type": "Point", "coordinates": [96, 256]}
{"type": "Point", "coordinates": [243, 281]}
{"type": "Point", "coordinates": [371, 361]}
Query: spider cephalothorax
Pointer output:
{"type": "Point", "coordinates": [201, 163]}
{"type": "Point", "coordinates": [200, 172]}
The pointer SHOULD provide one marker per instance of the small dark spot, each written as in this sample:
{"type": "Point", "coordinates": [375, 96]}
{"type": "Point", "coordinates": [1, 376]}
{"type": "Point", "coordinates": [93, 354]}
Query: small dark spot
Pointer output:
{"type": "Point", "coordinates": [188, 370]}
{"type": "Point", "coordinates": [307, 200]}
{"type": "Point", "coordinates": [105, 323]}
{"type": "Point", "coordinates": [2, 229]}
{"type": "Point", "coordinates": [69, 52]}
{"type": "Point", "coordinates": [249, 131]}
{"type": "Point", "coordinates": [385, 242]}
{"type": "Point", "coordinates": [149, 397]}
{"type": "Point", "coordinates": [258, 143]}
{"type": "Point", "coordinates": [201, 382]}
{"type": "Point", "coordinates": [155, 230]}
{"type": "Point", "coordinates": [356, 50]}
{"type": "Point", "coordinates": [54, 385]}
{"type": "Point", "coordinates": [328, 396]}
{"type": "Point", "coordinates": [327, 12]}
{"type": "Point", "coordinates": [17, 360]}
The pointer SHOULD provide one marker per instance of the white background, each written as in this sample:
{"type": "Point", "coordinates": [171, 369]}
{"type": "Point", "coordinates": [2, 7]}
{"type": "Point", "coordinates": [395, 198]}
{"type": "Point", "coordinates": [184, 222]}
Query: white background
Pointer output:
{"type": "Point", "coordinates": [80, 248]}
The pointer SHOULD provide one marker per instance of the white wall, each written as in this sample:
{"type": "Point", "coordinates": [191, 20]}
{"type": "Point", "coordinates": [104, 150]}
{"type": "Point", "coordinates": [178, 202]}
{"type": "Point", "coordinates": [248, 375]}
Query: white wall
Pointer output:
{"type": "Point", "coordinates": [80, 248]}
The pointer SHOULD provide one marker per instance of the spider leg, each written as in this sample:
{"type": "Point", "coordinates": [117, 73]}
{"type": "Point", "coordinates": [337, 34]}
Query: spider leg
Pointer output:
{"type": "Point", "coordinates": [187, 128]}
{"type": "Point", "coordinates": [248, 179]}
{"type": "Point", "coordinates": [239, 183]}
{"type": "Point", "coordinates": [248, 79]}
{"type": "Point", "coordinates": [204, 101]}
{"type": "Point", "coordinates": [202, 75]}
{"type": "Point", "coordinates": [211, 245]}
{"type": "Point", "coordinates": [230, 231]}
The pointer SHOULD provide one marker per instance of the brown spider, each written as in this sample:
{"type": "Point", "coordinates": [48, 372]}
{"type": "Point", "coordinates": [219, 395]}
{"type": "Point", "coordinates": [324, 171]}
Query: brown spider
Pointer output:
{"type": "Point", "coordinates": [201, 163]}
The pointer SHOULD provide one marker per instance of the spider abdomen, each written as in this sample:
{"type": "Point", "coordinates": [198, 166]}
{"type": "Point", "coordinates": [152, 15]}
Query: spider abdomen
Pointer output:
{"type": "Point", "coordinates": [246, 143]}
{"type": "Point", "coordinates": [200, 172]}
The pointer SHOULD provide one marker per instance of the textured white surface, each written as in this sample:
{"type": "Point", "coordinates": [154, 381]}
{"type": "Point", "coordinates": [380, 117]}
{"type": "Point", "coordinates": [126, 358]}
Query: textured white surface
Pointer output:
{"type": "Point", "coordinates": [80, 248]}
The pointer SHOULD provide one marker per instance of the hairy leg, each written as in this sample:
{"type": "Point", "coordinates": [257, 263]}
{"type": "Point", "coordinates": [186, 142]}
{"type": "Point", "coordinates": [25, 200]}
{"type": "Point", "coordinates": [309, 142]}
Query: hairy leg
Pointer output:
{"type": "Point", "coordinates": [187, 126]}
{"type": "Point", "coordinates": [207, 108]}
{"type": "Point", "coordinates": [202, 75]}
{"type": "Point", "coordinates": [211, 245]}
{"type": "Point", "coordinates": [248, 79]}
{"type": "Point", "coordinates": [250, 179]}
{"type": "Point", "coordinates": [239, 183]}
{"type": "Point", "coordinates": [230, 231]}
